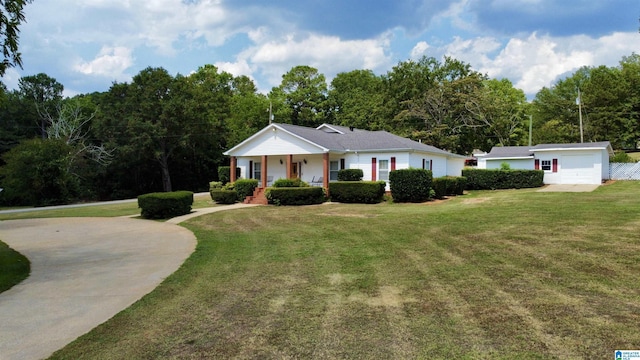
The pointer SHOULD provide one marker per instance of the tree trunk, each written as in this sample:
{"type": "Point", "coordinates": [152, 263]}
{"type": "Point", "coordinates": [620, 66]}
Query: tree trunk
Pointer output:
{"type": "Point", "coordinates": [166, 177]}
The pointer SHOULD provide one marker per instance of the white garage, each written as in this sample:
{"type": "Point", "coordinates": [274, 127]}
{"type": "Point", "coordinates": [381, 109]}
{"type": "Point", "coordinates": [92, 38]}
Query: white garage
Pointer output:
{"type": "Point", "coordinates": [582, 163]}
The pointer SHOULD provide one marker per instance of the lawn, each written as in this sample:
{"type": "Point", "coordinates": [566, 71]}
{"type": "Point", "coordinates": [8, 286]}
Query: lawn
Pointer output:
{"type": "Point", "coordinates": [103, 210]}
{"type": "Point", "coordinates": [14, 267]}
{"type": "Point", "coordinates": [496, 274]}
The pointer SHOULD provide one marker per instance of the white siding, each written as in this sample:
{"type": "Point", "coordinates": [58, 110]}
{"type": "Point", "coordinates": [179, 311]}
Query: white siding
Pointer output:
{"type": "Point", "coordinates": [575, 166]}
{"type": "Point", "coordinates": [276, 142]}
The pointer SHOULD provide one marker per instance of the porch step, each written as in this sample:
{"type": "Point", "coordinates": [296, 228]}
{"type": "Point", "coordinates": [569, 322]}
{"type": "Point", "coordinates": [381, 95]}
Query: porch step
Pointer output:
{"type": "Point", "coordinates": [257, 198]}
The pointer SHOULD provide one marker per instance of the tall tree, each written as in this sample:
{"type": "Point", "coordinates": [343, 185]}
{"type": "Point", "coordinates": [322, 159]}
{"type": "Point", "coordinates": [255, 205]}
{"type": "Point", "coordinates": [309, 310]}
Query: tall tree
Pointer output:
{"type": "Point", "coordinates": [45, 93]}
{"type": "Point", "coordinates": [11, 16]}
{"type": "Point", "coordinates": [304, 90]}
{"type": "Point", "coordinates": [249, 111]}
{"type": "Point", "coordinates": [356, 99]}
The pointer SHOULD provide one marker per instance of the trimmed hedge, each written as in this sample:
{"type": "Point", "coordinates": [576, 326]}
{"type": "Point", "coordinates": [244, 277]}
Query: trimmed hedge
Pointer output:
{"type": "Point", "coordinates": [221, 196]}
{"type": "Point", "coordinates": [362, 192]}
{"type": "Point", "coordinates": [289, 183]}
{"type": "Point", "coordinates": [245, 187]}
{"type": "Point", "coordinates": [410, 185]}
{"type": "Point", "coordinates": [449, 185]}
{"type": "Point", "coordinates": [482, 179]}
{"type": "Point", "coordinates": [350, 175]}
{"type": "Point", "coordinates": [295, 195]}
{"type": "Point", "coordinates": [165, 205]}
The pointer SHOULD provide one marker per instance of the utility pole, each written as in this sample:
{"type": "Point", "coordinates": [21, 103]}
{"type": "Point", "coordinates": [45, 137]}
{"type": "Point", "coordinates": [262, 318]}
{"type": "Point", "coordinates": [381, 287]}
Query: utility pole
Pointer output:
{"type": "Point", "coordinates": [270, 113]}
{"type": "Point", "coordinates": [530, 128]}
{"type": "Point", "coordinates": [580, 114]}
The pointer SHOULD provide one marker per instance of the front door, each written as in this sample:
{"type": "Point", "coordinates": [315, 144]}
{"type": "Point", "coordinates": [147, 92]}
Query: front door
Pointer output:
{"type": "Point", "coordinates": [295, 170]}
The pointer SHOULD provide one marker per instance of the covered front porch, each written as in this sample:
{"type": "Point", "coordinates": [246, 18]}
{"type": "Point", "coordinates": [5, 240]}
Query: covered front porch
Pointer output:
{"type": "Point", "coordinates": [315, 169]}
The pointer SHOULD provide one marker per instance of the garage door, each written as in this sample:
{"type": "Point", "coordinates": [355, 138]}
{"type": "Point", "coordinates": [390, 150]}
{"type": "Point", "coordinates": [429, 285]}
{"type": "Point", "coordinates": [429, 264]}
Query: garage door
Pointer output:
{"type": "Point", "coordinates": [578, 169]}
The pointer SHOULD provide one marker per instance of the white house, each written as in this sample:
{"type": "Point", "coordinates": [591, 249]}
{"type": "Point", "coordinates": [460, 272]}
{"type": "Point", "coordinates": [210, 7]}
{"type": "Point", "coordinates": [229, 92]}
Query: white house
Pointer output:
{"type": "Point", "coordinates": [315, 155]}
{"type": "Point", "coordinates": [583, 163]}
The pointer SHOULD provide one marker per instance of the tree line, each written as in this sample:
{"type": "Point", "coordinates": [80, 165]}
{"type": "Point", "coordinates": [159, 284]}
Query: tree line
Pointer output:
{"type": "Point", "coordinates": [161, 132]}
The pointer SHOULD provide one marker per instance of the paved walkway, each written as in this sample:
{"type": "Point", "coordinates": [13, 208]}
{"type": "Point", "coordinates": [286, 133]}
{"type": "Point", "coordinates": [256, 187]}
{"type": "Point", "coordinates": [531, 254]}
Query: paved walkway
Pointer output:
{"type": "Point", "coordinates": [83, 272]}
{"type": "Point", "coordinates": [569, 188]}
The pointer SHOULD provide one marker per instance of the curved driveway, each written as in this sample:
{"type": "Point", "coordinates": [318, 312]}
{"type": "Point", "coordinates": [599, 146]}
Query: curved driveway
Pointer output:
{"type": "Point", "coordinates": [83, 272]}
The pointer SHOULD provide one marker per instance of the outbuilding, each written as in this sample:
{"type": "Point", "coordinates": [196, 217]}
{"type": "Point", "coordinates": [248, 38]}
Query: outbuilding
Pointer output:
{"type": "Point", "coordinates": [578, 163]}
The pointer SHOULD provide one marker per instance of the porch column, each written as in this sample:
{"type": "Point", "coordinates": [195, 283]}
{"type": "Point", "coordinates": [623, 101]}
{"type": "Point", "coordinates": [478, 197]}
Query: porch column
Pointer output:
{"type": "Point", "coordinates": [234, 165]}
{"type": "Point", "coordinates": [263, 171]}
{"type": "Point", "coordinates": [325, 171]}
{"type": "Point", "coordinates": [289, 166]}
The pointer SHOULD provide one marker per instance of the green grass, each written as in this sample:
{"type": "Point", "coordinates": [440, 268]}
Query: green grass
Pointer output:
{"type": "Point", "coordinates": [14, 267]}
{"type": "Point", "coordinates": [496, 274]}
{"type": "Point", "coordinates": [106, 210]}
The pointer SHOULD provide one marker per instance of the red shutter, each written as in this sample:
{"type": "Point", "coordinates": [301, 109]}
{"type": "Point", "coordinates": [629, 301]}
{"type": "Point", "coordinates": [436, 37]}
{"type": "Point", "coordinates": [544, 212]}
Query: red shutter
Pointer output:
{"type": "Point", "coordinates": [341, 164]}
{"type": "Point", "coordinates": [250, 175]}
{"type": "Point", "coordinates": [393, 163]}
{"type": "Point", "coordinates": [536, 164]}
{"type": "Point", "coordinates": [374, 162]}
{"type": "Point", "coordinates": [555, 165]}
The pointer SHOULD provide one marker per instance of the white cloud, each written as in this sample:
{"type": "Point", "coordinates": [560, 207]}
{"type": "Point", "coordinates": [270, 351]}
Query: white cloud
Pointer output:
{"type": "Point", "coordinates": [419, 50]}
{"type": "Point", "coordinates": [111, 62]}
{"type": "Point", "coordinates": [241, 67]}
{"type": "Point", "coordinates": [329, 54]}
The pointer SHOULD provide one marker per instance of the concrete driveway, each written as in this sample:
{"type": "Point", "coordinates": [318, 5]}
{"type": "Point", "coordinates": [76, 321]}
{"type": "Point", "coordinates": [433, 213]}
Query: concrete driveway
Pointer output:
{"type": "Point", "coordinates": [83, 272]}
{"type": "Point", "coordinates": [569, 188]}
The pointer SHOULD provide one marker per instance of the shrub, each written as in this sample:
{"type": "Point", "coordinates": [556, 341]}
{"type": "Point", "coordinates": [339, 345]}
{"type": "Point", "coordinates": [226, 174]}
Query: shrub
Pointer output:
{"type": "Point", "coordinates": [224, 174]}
{"type": "Point", "coordinates": [410, 185]}
{"type": "Point", "coordinates": [439, 186]}
{"type": "Point", "coordinates": [287, 183]}
{"type": "Point", "coordinates": [245, 187]}
{"type": "Point", "coordinates": [350, 175]}
{"type": "Point", "coordinates": [482, 179]}
{"type": "Point", "coordinates": [221, 196]}
{"type": "Point", "coordinates": [505, 166]}
{"type": "Point", "coordinates": [295, 195]}
{"type": "Point", "coordinates": [621, 157]}
{"type": "Point", "coordinates": [165, 205]}
{"type": "Point", "coordinates": [363, 192]}
{"type": "Point", "coordinates": [215, 185]}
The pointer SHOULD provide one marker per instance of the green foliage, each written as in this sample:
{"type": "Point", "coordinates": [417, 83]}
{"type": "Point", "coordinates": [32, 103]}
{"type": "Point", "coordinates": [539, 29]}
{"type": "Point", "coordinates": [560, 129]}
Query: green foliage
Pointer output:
{"type": "Point", "coordinates": [224, 174]}
{"type": "Point", "coordinates": [245, 187]}
{"type": "Point", "coordinates": [350, 175]}
{"type": "Point", "coordinates": [213, 185]}
{"type": "Point", "coordinates": [222, 196]}
{"type": "Point", "coordinates": [410, 185]}
{"type": "Point", "coordinates": [448, 186]}
{"type": "Point", "coordinates": [482, 179]}
{"type": "Point", "coordinates": [295, 195]}
{"type": "Point", "coordinates": [357, 99]}
{"type": "Point", "coordinates": [37, 172]}
{"type": "Point", "coordinates": [304, 92]}
{"type": "Point", "coordinates": [362, 192]}
{"type": "Point", "coordinates": [165, 205]}
{"type": "Point", "coordinates": [621, 157]}
{"type": "Point", "coordinates": [287, 183]}
{"type": "Point", "coordinates": [14, 267]}
{"type": "Point", "coordinates": [12, 14]}
{"type": "Point", "coordinates": [505, 166]}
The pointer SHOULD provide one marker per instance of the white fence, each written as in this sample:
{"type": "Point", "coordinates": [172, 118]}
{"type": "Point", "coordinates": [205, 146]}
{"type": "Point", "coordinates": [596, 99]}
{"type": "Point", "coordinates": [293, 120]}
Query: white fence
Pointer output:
{"type": "Point", "coordinates": [624, 171]}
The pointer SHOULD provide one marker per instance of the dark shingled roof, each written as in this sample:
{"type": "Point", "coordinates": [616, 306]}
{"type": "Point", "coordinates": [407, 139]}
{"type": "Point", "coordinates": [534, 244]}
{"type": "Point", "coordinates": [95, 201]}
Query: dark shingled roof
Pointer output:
{"type": "Point", "coordinates": [509, 152]}
{"type": "Point", "coordinates": [346, 139]}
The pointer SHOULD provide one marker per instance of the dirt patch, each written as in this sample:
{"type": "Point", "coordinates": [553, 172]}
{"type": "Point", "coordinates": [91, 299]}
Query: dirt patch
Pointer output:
{"type": "Point", "coordinates": [473, 201]}
{"type": "Point", "coordinates": [388, 296]}
{"type": "Point", "coordinates": [361, 216]}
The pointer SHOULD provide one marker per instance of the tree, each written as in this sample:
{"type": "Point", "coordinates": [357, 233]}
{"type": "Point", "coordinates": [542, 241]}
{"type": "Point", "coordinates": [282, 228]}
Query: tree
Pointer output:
{"type": "Point", "coordinates": [11, 16]}
{"type": "Point", "coordinates": [356, 99]}
{"type": "Point", "coordinates": [499, 109]}
{"type": "Point", "coordinates": [249, 111]}
{"type": "Point", "coordinates": [304, 91]}
{"type": "Point", "coordinates": [45, 93]}
{"type": "Point", "coordinates": [38, 172]}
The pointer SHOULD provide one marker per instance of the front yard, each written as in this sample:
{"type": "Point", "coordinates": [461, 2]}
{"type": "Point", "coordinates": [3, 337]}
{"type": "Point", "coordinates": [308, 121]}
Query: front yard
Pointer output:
{"type": "Point", "coordinates": [505, 274]}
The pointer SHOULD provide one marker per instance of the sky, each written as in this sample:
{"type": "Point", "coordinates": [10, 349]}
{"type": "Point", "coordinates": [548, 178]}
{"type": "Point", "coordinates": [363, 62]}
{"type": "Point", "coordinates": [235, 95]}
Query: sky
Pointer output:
{"type": "Point", "coordinates": [87, 45]}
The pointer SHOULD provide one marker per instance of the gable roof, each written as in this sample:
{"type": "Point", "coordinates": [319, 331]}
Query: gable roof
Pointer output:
{"type": "Point", "coordinates": [522, 152]}
{"type": "Point", "coordinates": [345, 139]}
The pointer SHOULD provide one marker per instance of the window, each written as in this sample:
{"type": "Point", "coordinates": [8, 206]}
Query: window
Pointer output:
{"type": "Point", "coordinates": [257, 170]}
{"type": "Point", "coordinates": [383, 170]}
{"type": "Point", "coordinates": [334, 167]}
{"type": "Point", "coordinates": [546, 165]}
{"type": "Point", "coordinates": [426, 164]}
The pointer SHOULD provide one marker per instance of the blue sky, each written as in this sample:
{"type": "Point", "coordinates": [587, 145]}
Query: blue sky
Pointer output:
{"type": "Point", "coordinates": [88, 44]}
